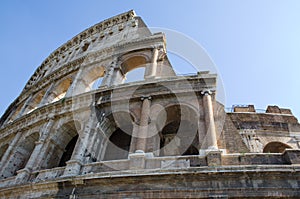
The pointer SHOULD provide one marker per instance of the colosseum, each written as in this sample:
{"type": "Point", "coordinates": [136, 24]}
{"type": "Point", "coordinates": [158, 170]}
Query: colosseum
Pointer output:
{"type": "Point", "coordinates": [81, 129]}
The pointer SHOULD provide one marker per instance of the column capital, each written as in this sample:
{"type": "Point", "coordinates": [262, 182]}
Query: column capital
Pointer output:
{"type": "Point", "coordinates": [206, 92]}
{"type": "Point", "coordinates": [146, 97]}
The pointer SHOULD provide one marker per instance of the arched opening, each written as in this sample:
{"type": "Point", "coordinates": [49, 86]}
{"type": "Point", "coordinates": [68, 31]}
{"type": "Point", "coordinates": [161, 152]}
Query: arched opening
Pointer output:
{"type": "Point", "coordinates": [118, 143]}
{"type": "Point", "coordinates": [34, 103]}
{"type": "Point", "coordinates": [91, 79]}
{"type": "Point", "coordinates": [94, 77]}
{"type": "Point", "coordinates": [96, 84]}
{"type": "Point", "coordinates": [134, 69]}
{"type": "Point", "coordinates": [20, 156]}
{"type": "Point", "coordinates": [275, 147]}
{"type": "Point", "coordinates": [179, 132]}
{"type": "Point", "coordinates": [62, 145]}
{"type": "Point", "coordinates": [60, 90]}
{"type": "Point", "coordinates": [135, 75]}
{"type": "Point", "coordinates": [66, 156]}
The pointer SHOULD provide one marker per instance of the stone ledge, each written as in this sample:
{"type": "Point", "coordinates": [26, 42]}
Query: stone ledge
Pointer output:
{"type": "Point", "coordinates": [239, 181]}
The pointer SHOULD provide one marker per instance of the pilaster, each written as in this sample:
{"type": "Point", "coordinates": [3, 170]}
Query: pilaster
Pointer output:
{"type": "Point", "coordinates": [151, 69]}
{"type": "Point", "coordinates": [143, 129]}
{"type": "Point", "coordinates": [209, 120]}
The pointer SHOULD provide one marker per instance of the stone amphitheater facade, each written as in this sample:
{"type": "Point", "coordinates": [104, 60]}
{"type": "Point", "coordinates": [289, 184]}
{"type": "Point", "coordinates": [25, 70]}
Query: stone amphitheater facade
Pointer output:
{"type": "Point", "coordinates": [162, 136]}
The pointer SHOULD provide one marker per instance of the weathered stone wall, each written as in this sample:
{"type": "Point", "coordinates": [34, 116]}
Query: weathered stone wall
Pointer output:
{"type": "Point", "coordinates": [164, 136]}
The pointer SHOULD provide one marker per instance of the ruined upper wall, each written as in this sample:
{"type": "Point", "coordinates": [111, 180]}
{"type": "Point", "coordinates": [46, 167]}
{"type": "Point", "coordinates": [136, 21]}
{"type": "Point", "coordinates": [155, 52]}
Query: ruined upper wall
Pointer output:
{"type": "Point", "coordinates": [251, 109]}
{"type": "Point", "coordinates": [272, 119]}
{"type": "Point", "coordinates": [121, 28]}
{"type": "Point", "coordinates": [107, 50]}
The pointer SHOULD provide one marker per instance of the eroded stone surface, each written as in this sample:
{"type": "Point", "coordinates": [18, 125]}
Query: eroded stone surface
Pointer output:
{"type": "Point", "coordinates": [164, 136]}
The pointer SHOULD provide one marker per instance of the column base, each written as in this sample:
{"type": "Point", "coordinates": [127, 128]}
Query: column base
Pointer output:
{"type": "Point", "coordinates": [139, 151]}
{"type": "Point", "coordinates": [73, 168]}
{"type": "Point", "coordinates": [23, 175]}
{"type": "Point", "coordinates": [137, 160]}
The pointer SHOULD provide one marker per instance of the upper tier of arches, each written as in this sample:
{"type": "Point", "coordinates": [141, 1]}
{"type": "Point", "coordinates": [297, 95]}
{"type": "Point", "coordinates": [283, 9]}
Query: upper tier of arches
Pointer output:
{"type": "Point", "coordinates": [116, 51]}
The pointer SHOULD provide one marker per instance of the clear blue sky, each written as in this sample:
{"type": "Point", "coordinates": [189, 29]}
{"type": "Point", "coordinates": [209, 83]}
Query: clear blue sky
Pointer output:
{"type": "Point", "coordinates": [254, 43]}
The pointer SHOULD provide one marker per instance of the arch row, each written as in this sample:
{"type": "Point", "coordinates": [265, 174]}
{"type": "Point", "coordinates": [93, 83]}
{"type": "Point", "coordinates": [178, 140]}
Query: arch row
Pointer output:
{"type": "Point", "coordinates": [111, 138]}
{"type": "Point", "coordinates": [129, 67]}
{"type": "Point", "coordinates": [275, 147]}
{"type": "Point", "coordinates": [174, 129]}
{"type": "Point", "coordinates": [40, 148]}
{"type": "Point", "coordinates": [83, 40]}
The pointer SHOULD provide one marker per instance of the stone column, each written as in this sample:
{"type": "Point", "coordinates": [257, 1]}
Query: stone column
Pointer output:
{"type": "Point", "coordinates": [75, 88]}
{"type": "Point", "coordinates": [154, 62]}
{"type": "Point", "coordinates": [153, 67]}
{"type": "Point", "coordinates": [115, 74]}
{"type": "Point", "coordinates": [135, 133]}
{"type": "Point", "coordinates": [209, 120]}
{"type": "Point", "coordinates": [77, 160]}
{"type": "Point", "coordinates": [46, 96]}
{"type": "Point", "coordinates": [108, 80]}
{"type": "Point", "coordinates": [35, 155]}
{"type": "Point", "coordinates": [143, 129]}
{"type": "Point", "coordinates": [138, 159]}
{"type": "Point", "coordinates": [25, 105]}
{"type": "Point", "coordinates": [34, 162]}
{"type": "Point", "coordinates": [24, 174]}
{"type": "Point", "coordinates": [9, 150]}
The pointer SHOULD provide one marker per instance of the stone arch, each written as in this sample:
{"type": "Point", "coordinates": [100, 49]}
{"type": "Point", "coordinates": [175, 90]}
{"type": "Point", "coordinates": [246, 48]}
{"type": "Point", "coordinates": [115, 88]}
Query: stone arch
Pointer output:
{"type": "Point", "coordinates": [119, 136]}
{"type": "Point", "coordinates": [157, 108]}
{"type": "Point", "coordinates": [133, 66]}
{"type": "Point", "coordinates": [89, 78]}
{"type": "Point", "coordinates": [275, 147]}
{"type": "Point", "coordinates": [66, 156]}
{"type": "Point", "coordinates": [20, 155]}
{"type": "Point", "coordinates": [178, 130]}
{"type": "Point", "coordinates": [62, 145]}
{"type": "Point", "coordinates": [133, 62]}
{"type": "Point", "coordinates": [34, 102]}
{"type": "Point", "coordinates": [59, 90]}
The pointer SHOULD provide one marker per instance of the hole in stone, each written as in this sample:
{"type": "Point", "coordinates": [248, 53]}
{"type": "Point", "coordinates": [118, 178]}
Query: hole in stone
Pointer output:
{"type": "Point", "coordinates": [85, 47]}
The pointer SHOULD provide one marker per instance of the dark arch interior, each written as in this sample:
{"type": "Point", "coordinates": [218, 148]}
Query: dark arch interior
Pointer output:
{"type": "Point", "coordinates": [179, 138]}
{"type": "Point", "coordinates": [119, 144]}
{"type": "Point", "coordinates": [68, 152]}
{"type": "Point", "coordinates": [62, 147]}
{"type": "Point", "coordinates": [276, 147]}
{"type": "Point", "coordinates": [192, 150]}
